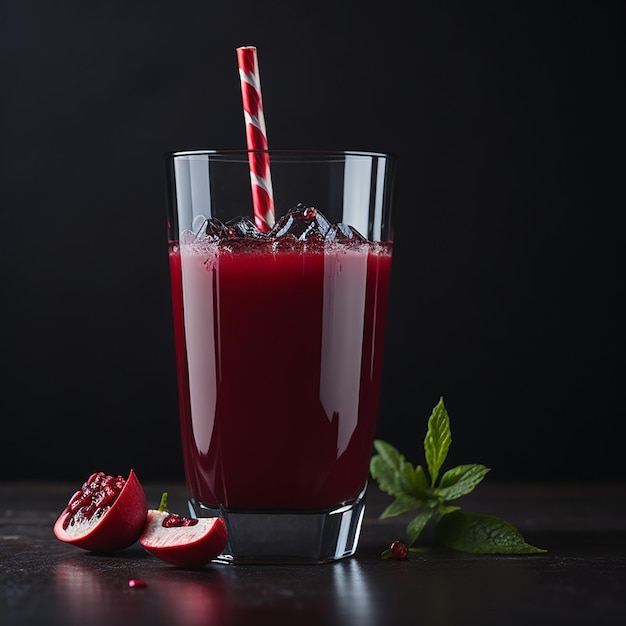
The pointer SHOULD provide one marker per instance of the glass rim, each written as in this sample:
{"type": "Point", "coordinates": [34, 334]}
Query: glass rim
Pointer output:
{"type": "Point", "coordinates": [286, 153]}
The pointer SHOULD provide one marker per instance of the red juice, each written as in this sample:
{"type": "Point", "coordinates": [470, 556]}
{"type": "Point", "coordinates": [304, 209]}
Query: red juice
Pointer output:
{"type": "Point", "coordinates": [279, 360]}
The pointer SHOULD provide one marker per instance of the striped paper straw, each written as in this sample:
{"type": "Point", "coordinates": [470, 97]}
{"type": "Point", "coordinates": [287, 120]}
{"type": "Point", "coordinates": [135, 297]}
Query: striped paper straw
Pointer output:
{"type": "Point", "coordinates": [256, 136]}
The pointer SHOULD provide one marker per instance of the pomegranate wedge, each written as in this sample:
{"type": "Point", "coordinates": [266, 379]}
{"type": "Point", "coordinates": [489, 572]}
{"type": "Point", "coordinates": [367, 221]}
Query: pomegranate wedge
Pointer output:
{"type": "Point", "coordinates": [183, 541]}
{"type": "Point", "coordinates": [107, 514]}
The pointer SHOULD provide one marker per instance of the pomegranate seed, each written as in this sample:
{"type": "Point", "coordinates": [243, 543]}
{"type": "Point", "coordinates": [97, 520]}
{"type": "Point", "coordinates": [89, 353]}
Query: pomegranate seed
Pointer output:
{"type": "Point", "coordinates": [74, 500]}
{"type": "Point", "coordinates": [94, 478]}
{"type": "Point", "coordinates": [174, 520]}
{"type": "Point", "coordinates": [135, 582]}
{"type": "Point", "coordinates": [399, 550]}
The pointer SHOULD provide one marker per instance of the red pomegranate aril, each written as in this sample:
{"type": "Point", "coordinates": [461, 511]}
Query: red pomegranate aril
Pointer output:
{"type": "Point", "coordinates": [108, 496]}
{"type": "Point", "coordinates": [75, 501]}
{"type": "Point", "coordinates": [135, 582]}
{"type": "Point", "coordinates": [93, 478]}
{"type": "Point", "coordinates": [173, 520]}
{"type": "Point", "coordinates": [399, 550]}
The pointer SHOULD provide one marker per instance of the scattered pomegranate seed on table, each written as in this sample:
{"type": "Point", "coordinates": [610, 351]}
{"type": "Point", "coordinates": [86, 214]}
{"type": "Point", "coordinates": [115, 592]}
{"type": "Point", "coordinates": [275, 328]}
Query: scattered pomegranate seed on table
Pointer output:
{"type": "Point", "coordinates": [399, 550]}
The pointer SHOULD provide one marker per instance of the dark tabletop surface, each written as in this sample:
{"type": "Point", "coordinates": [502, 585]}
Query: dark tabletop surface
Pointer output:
{"type": "Point", "coordinates": [580, 580]}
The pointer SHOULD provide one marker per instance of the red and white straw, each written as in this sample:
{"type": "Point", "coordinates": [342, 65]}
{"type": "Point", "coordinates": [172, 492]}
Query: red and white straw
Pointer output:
{"type": "Point", "coordinates": [256, 135]}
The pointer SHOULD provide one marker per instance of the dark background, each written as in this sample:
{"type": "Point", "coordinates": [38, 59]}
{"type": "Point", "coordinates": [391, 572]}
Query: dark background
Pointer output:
{"type": "Point", "coordinates": [508, 267]}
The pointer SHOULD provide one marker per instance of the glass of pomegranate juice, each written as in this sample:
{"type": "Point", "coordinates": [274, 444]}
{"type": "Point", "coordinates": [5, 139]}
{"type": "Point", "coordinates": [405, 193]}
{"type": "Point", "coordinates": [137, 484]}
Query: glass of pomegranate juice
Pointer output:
{"type": "Point", "coordinates": [279, 288]}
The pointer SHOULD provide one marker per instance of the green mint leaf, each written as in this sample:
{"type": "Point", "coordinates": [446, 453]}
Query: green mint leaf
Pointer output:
{"type": "Point", "coordinates": [414, 481]}
{"type": "Point", "coordinates": [444, 509]}
{"type": "Point", "coordinates": [390, 454]}
{"type": "Point", "coordinates": [481, 534]}
{"type": "Point", "coordinates": [438, 440]}
{"type": "Point", "coordinates": [386, 476]}
{"type": "Point", "coordinates": [402, 504]}
{"type": "Point", "coordinates": [385, 468]}
{"type": "Point", "coordinates": [390, 469]}
{"type": "Point", "coordinates": [417, 524]}
{"type": "Point", "coordinates": [461, 480]}
{"type": "Point", "coordinates": [418, 481]}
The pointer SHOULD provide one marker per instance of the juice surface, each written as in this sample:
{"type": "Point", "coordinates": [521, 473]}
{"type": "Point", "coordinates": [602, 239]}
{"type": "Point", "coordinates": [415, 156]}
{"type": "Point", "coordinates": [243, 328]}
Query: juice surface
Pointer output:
{"type": "Point", "coordinates": [279, 358]}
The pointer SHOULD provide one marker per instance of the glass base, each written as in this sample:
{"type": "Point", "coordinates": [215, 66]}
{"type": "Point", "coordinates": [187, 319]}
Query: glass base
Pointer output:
{"type": "Point", "coordinates": [319, 536]}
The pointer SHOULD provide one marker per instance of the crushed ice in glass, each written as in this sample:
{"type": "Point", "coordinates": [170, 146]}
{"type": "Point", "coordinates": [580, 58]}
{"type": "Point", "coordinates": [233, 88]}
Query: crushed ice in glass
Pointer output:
{"type": "Point", "coordinates": [301, 223]}
{"type": "Point", "coordinates": [343, 233]}
{"type": "Point", "coordinates": [243, 227]}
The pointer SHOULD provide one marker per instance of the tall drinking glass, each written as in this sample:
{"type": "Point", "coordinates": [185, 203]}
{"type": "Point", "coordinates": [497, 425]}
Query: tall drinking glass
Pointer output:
{"type": "Point", "coordinates": [279, 344]}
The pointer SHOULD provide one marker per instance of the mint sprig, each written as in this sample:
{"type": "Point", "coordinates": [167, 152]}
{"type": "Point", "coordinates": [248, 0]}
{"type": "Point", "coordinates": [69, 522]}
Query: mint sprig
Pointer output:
{"type": "Point", "coordinates": [414, 490]}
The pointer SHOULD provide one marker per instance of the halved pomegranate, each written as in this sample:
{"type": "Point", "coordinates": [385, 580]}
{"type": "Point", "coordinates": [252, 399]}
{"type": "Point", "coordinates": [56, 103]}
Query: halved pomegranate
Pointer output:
{"type": "Point", "coordinates": [107, 514]}
{"type": "Point", "coordinates": [183, 541]}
